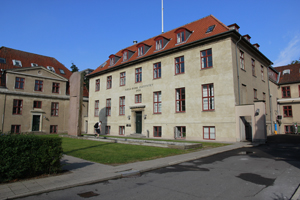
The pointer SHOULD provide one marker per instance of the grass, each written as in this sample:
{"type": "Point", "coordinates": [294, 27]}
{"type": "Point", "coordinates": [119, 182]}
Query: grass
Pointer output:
{"type": "Point", "coordinates": [116, 153]}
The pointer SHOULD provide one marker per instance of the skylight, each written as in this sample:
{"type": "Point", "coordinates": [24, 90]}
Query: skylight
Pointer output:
{"type": "Point", "coordinates": [2, 60]}
{"type": "Point", "coordinates": [61, 71]}
{"type": "Point", "coordinates": [51, 68]}
{"type": "Point", "coordinates": [101, 66]}
{"type": "Point", "coordinates": [34, 65]}
{"type": "Point", "coordinates": [210, 29]}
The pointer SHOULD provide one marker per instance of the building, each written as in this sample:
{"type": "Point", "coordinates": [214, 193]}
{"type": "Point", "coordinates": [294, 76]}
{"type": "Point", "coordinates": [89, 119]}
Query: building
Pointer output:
{"type": "Point", "coordinates": [34, 93]}
{"type": "Point", "coordinates": [201, 81]}
{"type": "Point", "coordinates": [288, 114]}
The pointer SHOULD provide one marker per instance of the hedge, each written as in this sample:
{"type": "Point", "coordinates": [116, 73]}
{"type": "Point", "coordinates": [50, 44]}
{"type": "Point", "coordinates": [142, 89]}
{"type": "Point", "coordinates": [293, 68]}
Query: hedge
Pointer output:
{"type": "Point", "coordinates": [25, 156]}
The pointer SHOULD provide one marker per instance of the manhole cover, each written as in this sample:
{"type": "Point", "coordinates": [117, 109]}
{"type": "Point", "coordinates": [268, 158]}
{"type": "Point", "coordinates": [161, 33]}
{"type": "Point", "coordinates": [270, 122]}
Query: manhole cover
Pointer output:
{"type": "Point", "coordinates": [88, 194]}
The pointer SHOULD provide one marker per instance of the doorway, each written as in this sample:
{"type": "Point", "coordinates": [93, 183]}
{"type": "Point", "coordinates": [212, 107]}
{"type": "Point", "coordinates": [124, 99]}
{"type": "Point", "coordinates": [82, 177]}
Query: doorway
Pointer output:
{"type": "Point", "coordinates": [138, 122]}
{"type": "Point", "coordinates": [36, 122]}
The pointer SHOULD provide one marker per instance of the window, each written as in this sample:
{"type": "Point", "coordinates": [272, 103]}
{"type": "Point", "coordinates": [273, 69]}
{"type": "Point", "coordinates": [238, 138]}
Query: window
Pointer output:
{"type": "Point", "coordinates": [38, 85]}
{"type": "Point", "coordinates": [54, 109]}
{"type": "Point", "coordinates": [210, 29]}
{"type": "Point", "coordinates": [125, 55]}
{"type": "Point", "coordinates": [181, 37]}
{"type": "Point", "coordinates": [15, 129]}
{"type": "Point", "coordinates": [179, 65]}
{"type": "Point", "coordinates": [141, 50]}
{"type": "Point", "coordinates": [51, 68]}
{"type": "Point", "coordinates": [157, 131]}
{"type": "Point", "coordinates": [264, 96]}
{"type": "Point", "coordinates": [157, 70]}
{"type": "Point", "coordinates": [122, 106]}
{"type": "Point", "coordinates": [138, 98]}
{"type": "Point", "coordinates": [158, 44]}
{"type": "Point", "coordinates": [122, 78]}
{"type": "Point", "coordinates": [109, 82]}
{"type": "Point", "coordinates": [19, 83]}
{"type": "Point", "coordinates": [96, 114]}
{"type": "Point", "coordinates": [242, 61]}
{"type": "Point", "coordinates": [138, 75]}
{"type": "Point", "coordinates": [112, 60]}
{"type": "Point", "coordinates": [255, 93]}
{"type": "Point", "coordinates": [62, 71]}
{"type": "Point", "coordinates": [108, 107]}
{"type": "Point", "coordinates": [55, 87]}
{"type": "Point", "coordinates": [180, 100]}
{"type": "Point", "coordinates": [37, 104]}
{"type": "Point", "coordinates": [2, 60]}
{"type": "Point", "coordinates": [107, 130]}
{"type": "Point", "coordinates": [262, 72]}
{"type": "Point", "coordinates": [286, 93]}
{"type": "Point", "coordinates": [17, 63]}
{"type": "Point", "coordinates": [180, 132]}
{"type": "Point", "coordinates": [287, 111]}
{"type": "Point", "coordinates": [34, 65]}
{"type": "Point", "coordinates": [253, 67]}
{"type": "Point", "coordinates": [17, 107]}
{"type": "Point", "coordinates": [208, 100]}
{"type": "Point", "coordinates": [121, 130]}
{"type": "Point", "coordinates": [157, 102]}
{"type": "Point", "coordinates": [206, 59]}
{"type": "Point", "coordinates": [53, 128]}
{"type": "Point", "coordinates": [289, 129]}
{"type": "Point", "coordinates": [209, 133]}
{"type": "Point", "coordinates": [97, 86]}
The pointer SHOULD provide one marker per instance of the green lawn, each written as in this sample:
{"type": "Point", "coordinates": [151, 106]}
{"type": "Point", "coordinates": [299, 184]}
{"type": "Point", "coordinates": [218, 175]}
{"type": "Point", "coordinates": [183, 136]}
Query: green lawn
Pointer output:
{"type": "Point", "coordinates": [115, 153]}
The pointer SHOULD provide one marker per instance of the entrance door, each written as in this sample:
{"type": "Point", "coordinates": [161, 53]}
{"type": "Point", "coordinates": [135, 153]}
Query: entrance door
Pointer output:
{"type": "Point", "coordinates": [36, 123]}
{"type": "Point", "coordinates": [138, 122]}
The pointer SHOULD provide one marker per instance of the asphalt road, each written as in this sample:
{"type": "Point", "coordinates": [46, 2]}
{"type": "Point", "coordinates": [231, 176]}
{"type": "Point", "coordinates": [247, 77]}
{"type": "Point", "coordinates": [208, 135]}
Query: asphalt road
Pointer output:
{"type": "Point", "coordinates": [270, 171]}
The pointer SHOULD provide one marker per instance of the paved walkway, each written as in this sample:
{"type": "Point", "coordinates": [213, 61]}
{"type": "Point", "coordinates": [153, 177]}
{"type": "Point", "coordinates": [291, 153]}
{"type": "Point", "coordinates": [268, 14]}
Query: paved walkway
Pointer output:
{"type": "Point", "coordinates": [82, 172]}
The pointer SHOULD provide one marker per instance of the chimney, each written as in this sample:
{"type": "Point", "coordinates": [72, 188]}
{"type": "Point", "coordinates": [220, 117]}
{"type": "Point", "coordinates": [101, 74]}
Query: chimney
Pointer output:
{"type": "Point", "coordinates": [256, 46]}
{"type": "Point", "coordinates": [247, 37]}
{"type": "Point", "coordinates": [234, 27]}
{"type": "Point", "coordinates": [134, 41]}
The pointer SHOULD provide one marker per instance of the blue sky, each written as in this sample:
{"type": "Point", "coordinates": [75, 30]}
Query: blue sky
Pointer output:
{"type": "Point", "coordinates": [86, 32]}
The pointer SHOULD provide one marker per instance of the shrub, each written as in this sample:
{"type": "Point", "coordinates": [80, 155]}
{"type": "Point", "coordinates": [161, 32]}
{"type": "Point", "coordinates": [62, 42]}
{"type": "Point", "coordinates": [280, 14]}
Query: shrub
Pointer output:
{"type": "Point", "coordinates": [24, 156]}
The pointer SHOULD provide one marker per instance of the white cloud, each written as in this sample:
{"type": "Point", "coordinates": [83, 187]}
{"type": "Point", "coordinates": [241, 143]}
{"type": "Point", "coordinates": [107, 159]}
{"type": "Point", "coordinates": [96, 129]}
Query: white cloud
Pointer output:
{"type": "Point", "coordinates": [290, 53]}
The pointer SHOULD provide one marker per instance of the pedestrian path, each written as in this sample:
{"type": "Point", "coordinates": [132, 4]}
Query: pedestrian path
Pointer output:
{"type": "Point", "coordinates": [82, 172]}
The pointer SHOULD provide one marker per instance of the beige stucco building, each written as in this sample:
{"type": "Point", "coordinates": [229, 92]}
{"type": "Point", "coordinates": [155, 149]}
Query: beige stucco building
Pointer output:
{"type": "Point", "coordinates": [34, 94]}
{"type": "Point", "coordinates": [201, 81]}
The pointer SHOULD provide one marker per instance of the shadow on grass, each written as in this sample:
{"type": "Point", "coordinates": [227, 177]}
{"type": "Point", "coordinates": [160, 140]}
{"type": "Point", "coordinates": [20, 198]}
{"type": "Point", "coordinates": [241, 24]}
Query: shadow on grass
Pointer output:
{"type": "Point", "coordinates": [85, 148]}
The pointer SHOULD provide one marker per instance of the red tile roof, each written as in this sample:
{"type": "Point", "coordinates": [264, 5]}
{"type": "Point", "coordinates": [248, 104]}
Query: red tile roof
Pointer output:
{"type": "Point", "coordinates": [292, 77]}
{"type": "Point", "coordinates": [27, 58]}
{"type": "Point", "coordinates": [198, 29]}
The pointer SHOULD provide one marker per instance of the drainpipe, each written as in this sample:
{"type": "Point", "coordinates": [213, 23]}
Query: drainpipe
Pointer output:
{"type": "Point", "coordinates": [270, 103]}
{"type": "Point", "coordinates": [238, 71]}
{"type": "Point", "coordinates": [3, 115]}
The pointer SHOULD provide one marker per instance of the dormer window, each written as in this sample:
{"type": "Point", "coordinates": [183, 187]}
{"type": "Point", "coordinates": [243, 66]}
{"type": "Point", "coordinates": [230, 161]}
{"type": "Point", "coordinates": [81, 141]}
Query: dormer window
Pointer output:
{"type": "Point", "coordinates": [125, 55]}
{"type": "Point", "coordinates": [182, 34]}
{"type": "Point", "coordinates": [286, 71]}
{"type": "Point", "coordinates": [141, 50]}
{"type": "Point", "coordinates": [34, 65]}
{"type": "Point", "coordinates": [17, 63]}
{"type": "Point", "coordinates": [51, 68]}
{"type": "Point", "coordinates": [113, 59]}
{"type": "Point", "coordinates": [159, 44]}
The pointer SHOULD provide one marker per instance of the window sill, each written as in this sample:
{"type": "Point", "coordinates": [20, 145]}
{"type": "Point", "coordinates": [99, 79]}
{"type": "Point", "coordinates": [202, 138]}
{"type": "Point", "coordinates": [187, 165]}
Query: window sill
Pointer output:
{"type": "Point", "coordinates": [206, 68]}
{"type": "Point", "coordinates": [243, 70]}
{"type": "Point", "coordinates": [208, 110]}
{"type": "Point", "coordinates": [180, 112]}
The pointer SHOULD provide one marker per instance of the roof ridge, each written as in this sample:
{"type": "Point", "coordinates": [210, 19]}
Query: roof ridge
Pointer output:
{"type": "Point", "coordinates": [26, 52]}
{"type": "Point", "coordinates": [220, 22]}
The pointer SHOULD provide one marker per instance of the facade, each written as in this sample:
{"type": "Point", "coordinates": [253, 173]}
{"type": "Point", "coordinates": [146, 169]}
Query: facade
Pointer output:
{"type": "Point", "coordinates": [288, 99]}
{"type": "Point", "coordinates": [34, 93]}
{"type": "Point", "coordinates": [201, 81]}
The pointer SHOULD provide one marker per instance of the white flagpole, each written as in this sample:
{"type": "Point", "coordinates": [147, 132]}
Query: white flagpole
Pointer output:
{"type": "Point", "coordinates": [162, 16]}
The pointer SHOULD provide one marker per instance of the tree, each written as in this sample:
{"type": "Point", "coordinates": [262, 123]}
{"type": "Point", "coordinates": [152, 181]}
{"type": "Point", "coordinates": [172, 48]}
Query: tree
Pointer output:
{"type": "Point", "coordinates": [295, 62]}
{"type": "Point", "coordinates": [74, 68]}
